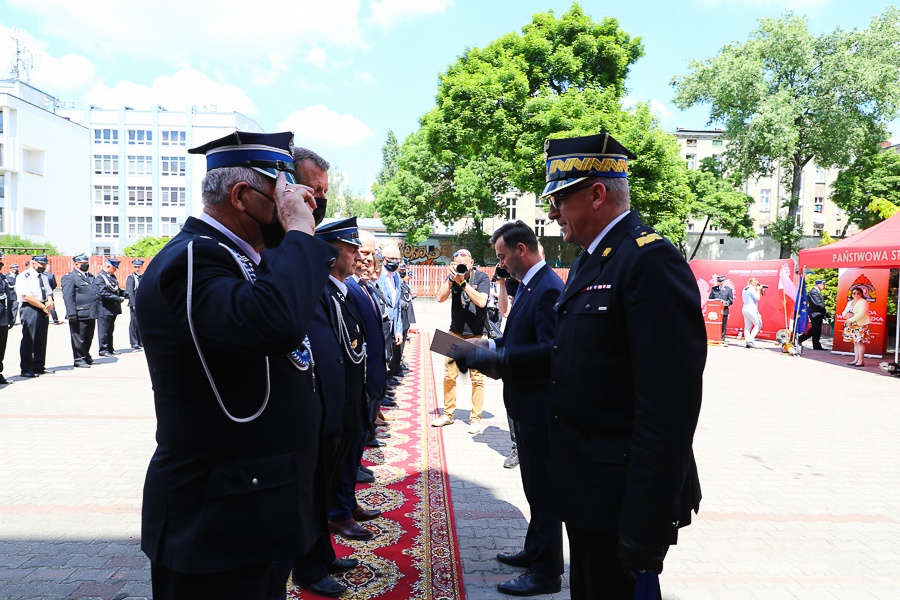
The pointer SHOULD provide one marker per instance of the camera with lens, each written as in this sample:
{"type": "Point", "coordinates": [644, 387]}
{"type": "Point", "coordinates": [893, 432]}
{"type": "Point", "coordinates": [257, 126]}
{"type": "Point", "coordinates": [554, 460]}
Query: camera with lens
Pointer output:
{"type": "Point", "coordinates": [500, 273]}
{"type": "Point", "coordinates": [462, 269]}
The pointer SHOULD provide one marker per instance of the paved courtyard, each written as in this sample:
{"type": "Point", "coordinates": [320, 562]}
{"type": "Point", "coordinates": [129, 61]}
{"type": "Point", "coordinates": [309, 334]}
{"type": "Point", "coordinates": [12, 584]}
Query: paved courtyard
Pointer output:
{"type": "Point", "coordinates": [797, 459]}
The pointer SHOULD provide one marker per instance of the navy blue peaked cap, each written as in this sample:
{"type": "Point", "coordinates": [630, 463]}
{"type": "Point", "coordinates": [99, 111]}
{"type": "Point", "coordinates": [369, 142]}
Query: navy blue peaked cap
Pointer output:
{"type": "Point", "coordinates": [344, 230]}
{"type": "Point", "coordinates": [81, 258]}
{"type": "Point", "coordinates": [571, 160]}
{"type": "Point", "coordinates": [267, 153]}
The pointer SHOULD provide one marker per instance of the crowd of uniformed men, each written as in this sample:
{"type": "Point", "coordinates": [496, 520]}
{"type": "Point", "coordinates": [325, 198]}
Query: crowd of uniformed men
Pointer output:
{"type": "Point", "coordinates": [91, 302]}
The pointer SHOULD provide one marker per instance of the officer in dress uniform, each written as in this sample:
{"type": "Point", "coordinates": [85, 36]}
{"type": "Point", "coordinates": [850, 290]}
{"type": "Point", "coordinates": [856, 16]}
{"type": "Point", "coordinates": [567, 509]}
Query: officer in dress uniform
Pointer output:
{"type": "Point", "coordinates": [622, 471]}
{"type": "Point", "coordinates": [7, 317]}
{"type": "Point", "coordinates": [231, 495]}
{"type": "Point", "coordinates": [722, 292]}
{"type": "Point", "coordinates": [82, 300]}
{"type": "Point", "coordinates": [816, 315]}
{"type": "Point", "coordinates": [36, 300]}
{"type": "Point", "coordinates": [131, 285]}
{"type": "Point", "coordinates": [111, 298]}
{"type": "Point", "coordinates": [11, 280]}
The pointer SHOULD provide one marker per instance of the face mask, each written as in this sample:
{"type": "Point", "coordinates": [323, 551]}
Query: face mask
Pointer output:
{"type": "Point", "coordinates": [319, 212]}
{"type": "Point", "coordinates": [402, 273]}
{"type": "Point", "coordinates": [84, 267]}
{"type": "Point", "coordinates": [41, 269]}
{"type": "Point", "coordinates": [391, 265]}
{"type": "Point", "coordinates": [1, 265]}
{"type": "Point", "coordinates": [272, 232]}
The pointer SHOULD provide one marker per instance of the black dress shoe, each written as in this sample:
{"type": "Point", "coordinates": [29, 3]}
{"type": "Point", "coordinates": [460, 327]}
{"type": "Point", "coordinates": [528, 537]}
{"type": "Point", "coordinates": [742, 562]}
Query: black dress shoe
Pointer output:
{"type": "Point", "coordinates": [388, 402]}
{"type": "Point", "coordinates": [361, 514]}
{"type": "Point", "coordinates": [89, 360]}
{"type": "Point", "coordinates": [350, 529]}
{"type": "Point", "coordinates": [339, 565]}
{"type": "Point", "coordinates": [136, 348]}
{"type": "Point", "coordinates": [45, 372]}
{"type": "Point", "coordinates": [327, 587]}
{"type": "Point", "coordinates": [104, 353]}
{"type": "Point", "coordinates": [28, 374]}
{"type": "Point", "coordinates": [366, 470]}
{"type": "Point", "coordinates": [3, 380]}
{"type": "Point", "coordinates": [515, 559]}
{"type": "Point", "coordinates": [82, 365]}
{"type": "Point", "coordinates": [393, 380]}
{"type": "Point", "coordinates": [382, 435]}
{"type": "Point", "coordinates": [364, 477]}
{"type": "Point", "coordinates": [375, 444]}
{"type": "Point", "coordinates": [530, 583]}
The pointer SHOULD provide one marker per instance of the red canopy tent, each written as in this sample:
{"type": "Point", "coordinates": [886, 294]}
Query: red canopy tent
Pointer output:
{"type": "Point", "coordinates": [877, 246]}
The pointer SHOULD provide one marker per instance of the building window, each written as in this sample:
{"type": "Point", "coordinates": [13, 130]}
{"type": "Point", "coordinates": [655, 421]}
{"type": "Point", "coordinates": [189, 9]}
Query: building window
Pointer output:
{"type": "Point", "coordinates": [140, 165]}
{"type": "Point", "coordinates": [172, 138]}
{"type": "Point", "coordinates": [717, 143]}
{"type": "Point", "coordinates": [173, 165]}
{"type": "Point", "coordinates": [819, 204]}
{"type": "Point", "coordinates": [690, 143]}
{"type": "Point", "coordinates": [2, 185]}
{"type": "Point", "coordinates": [690, 226]}
{"type": "Point", "coordinates": [106, 164]}
{"type": "Point", "coordinates": [106, 136]}
{"type": "Point", "coordinates": [140, 137]}
{"type": "Point", "coordinates": [106, 194]}
{"type": "Point", "coordinates": [820, 175]}
{"type": "Point", "coordinates": [691, 161]}
{"type": "Point", "coordinates": [539, 226]}
{"type": "Point", "coordinates": [139, 195]}
{"type": "Point", "coordinates": [511, 209]}
{"type": "Point", "coordinates": [172, 196]}
{"type": "Point", "coordinates": [139, 227]}
{"type": "Point", "coordinates": [2, 228]}
{"type": "Point", "coordinates": [765, 200]}
{"type": "Point", "coordinates": [818, 228]}
{"type": "Point", "coordinates": [106, 227]}
{"type": "Point", "coordinates": [1, 121]}
{"type": "Point", "coordinates": [168, 226]}
{"type": "Point", "coordinates": [837, 231]}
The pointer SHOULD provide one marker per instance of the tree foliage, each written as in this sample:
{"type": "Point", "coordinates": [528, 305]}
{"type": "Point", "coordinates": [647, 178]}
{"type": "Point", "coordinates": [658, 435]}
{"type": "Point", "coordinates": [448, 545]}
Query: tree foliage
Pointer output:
{"type": "Point", "coordinates": [495, 106]}
{"type": "Point", "coordinates": [15, 244]}
{"type": "Point", "coordinates": [869, 189]}
{"type": "Point", "coordinates": [715, 198]}
{"type": "Point", "coordinates": [146, 247]}
{"type": "Point", "coordinates": [786, 95]}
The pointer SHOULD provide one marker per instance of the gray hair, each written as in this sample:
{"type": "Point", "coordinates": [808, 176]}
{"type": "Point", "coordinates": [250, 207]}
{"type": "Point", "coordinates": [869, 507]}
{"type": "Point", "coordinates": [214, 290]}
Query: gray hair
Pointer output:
{"type": "Point", "coordinates": [301, 154]}
{"type": "Point", "coordinates": [217, 184]}
{"type": "Point", "coordinates": [617, 187]}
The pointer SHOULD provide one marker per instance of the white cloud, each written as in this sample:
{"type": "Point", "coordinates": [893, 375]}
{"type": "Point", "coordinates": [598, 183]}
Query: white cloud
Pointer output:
{"type": "Point", "coordinates": [317, 58]}
{"type": "Point", "coordinates": [317, 126]}
{"type": "Point", "coordinates": [175, 92]}
{"type": "Point", "coordinates": [364, 77]}
{"type": "Point", "coordinates": [57, 75]}
{"type": "Point", "coordinates": [799, 5]}
{"type": "Point", "coordinates": [388, 13]}
{"type": "Point", "coordinates": [662, 111]}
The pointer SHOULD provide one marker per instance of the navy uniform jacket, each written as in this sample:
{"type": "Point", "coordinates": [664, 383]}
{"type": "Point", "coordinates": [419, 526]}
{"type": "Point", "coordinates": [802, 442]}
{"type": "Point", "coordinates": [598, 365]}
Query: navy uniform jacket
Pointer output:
{"type": "Point", "coordinates": [531, 320]}
{"type": "Point", "coordinates": [376, 372]}
{"type": "Point", "coordinates": [130, 290]}
{"type": "Point", "coordinates": [329, 366]}
{"type": "Point", "coordinates": [7, 296]}
{"type": "Point", "coordinates": [387, 327]}
{"type": "Point", "coordinates": [221, 495]}
{"type": "Point", "coordinates": [111, 295]}
{"type": "Point", "coordinates": [816, 303]}
{"type": "Point", "coordinates": [354, 411]}
{"type": "Point", "coordinates": [722, 292]}
{"type": "Point", "coordinates": [623, 416]}
{"type": "Point", "coordinates": [81, 297]}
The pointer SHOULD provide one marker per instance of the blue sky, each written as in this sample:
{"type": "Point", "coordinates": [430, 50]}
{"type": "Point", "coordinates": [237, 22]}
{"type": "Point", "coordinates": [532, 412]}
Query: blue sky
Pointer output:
{"type": "Point", "coordinates": [341, 73]}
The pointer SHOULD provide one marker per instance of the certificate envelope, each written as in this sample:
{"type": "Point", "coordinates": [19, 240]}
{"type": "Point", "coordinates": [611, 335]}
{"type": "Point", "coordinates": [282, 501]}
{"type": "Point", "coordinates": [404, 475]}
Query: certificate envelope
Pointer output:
{"type": "Point", "coordinates": [449, 345]}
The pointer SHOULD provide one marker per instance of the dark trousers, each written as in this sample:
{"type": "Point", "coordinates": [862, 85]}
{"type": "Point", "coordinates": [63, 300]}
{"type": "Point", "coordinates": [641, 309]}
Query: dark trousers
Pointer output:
{"type": "Point", "coordinates": [815, 331]}
{"type": "Point", "coordinates": [313, 566]}
{"type": "Point", "coordinates": [343, 502]}
{"type": "Point", "coordinates": [82, 334]}
{"type": "Point", "coordinates": [594, 567]}
{"type": "Point", "coordinates": [249, 583]}
{"type": "Point", "coordinates": [4, 335]}
{"type": "Point", "coordinates": [105, 328]}
{"type": "Point", "coordinates": [33, 349]}
{"type": "Point", "coordinates": [724, 323]}
{"type": "Point", "coordinates": [543, 541]}
{"type": "Point", "coordinates": [396, 358]}
{"type": "Point", "coordinates": [134, 335]}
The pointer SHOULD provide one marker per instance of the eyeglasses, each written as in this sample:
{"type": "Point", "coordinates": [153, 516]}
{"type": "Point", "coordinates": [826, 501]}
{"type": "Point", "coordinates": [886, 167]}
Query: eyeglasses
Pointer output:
{"type": "Point", "coordinates": [558, 196]}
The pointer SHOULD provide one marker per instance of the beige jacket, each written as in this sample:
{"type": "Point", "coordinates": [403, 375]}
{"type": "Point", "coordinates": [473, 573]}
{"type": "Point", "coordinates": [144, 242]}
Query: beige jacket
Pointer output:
{"type": "Point", "coordinates": [857, 313]}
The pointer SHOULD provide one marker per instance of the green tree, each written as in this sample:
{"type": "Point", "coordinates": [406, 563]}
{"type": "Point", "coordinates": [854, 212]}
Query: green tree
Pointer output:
{"type": "Point", "coordinates": [389, 155]}
{"type": "Point", "coordinates": [868, 189]}
{"type": "Point", "coordinates": [785, 95]}
{"type": "Point", "coordinates": [358, 206]}
{"type": "Point", "coordinates": [495, 106]}
{"type": "Point", "coordinates": [146, 247]}
{"type": "Point", "coordinates": [14, 244]}
{"type": "Point", "coordinates": [716, 199]}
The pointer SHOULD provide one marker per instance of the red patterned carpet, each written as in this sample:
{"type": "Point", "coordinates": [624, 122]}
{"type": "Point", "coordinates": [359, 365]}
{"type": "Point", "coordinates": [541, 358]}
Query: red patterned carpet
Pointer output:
{"type": "Point", "coordinates": [415, 553]}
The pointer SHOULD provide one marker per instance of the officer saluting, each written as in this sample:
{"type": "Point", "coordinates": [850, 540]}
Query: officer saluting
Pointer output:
{"type": "Point", "coordinates": [111, 298]}
{"type": "Point", "coordinates": [82, 300]}
{"type": "Point", "coordinates": [36, 299]}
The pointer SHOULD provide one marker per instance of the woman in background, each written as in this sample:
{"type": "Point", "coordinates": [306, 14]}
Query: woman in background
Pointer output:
{"type": "Point", "coordinates": [856, 326]}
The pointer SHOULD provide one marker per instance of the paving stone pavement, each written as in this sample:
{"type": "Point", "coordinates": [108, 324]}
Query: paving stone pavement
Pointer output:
{"type": "Point", "coordinates": [796, 456]}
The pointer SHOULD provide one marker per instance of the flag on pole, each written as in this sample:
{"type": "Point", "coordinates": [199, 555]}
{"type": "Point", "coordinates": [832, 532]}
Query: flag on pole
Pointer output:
{"type": "Point", "coordinates": [801, 313]}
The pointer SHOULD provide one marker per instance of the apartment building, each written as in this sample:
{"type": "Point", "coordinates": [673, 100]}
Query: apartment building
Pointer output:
{"type": "Point", "coordinates": [142, 180]}
{"type": "Point", "coordinates": [44, 179]}
{"type": "Point", "coordinates": [518, 206]}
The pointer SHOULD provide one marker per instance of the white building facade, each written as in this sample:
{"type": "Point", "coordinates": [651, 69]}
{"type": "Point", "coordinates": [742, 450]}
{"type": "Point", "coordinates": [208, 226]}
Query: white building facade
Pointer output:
{"type": "Point", "coordinates": [44, 176]}
{"type": "Point", "coordinates": [142, 180]}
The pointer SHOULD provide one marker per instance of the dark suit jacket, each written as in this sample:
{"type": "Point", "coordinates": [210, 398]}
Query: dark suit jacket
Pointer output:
{"type": "Point", "coordinates": [623, 416]}
{"type": "Point", "coordinates": [816, 302]}
{"type": "Point", "coordinates": [387, 328]}
{"type": "Point", "coordinates": [80, 295]}
{"type": "Point", "coordinates": [7, 316]}
{"type": "Point", "coordinates": [330, 377]}
{"type": "Point", "coordinates": [130, 291]}
{"type": "Point", "coordinates": [531, 320]}
{"type": "Point", "coordinates": [376, 372]}
{"type": "Point", "coordinates": [110, 299]}
{"type": "Point", "coordinates": [353, 404]}
{"type": "Point", "coordinates": [222, 495]}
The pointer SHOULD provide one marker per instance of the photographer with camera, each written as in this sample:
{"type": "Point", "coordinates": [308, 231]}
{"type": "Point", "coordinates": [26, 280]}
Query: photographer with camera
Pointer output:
{"type": "Point", "coordinates": [752, 318]}
{"type": "Point", "coordinates": [468, 289]}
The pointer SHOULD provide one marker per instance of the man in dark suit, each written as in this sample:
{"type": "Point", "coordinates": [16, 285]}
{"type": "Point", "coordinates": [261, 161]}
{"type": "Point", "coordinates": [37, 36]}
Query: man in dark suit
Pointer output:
{"type": "Point", "coordinates": [7, 317]}
{"type": "Point", "coordinates": [231, 495]}
{"type": "Point", "coordinates": [82, 300]}
{"type": "Point", "coordinates": [622, 422]}
{"type": "Point", "coordinates": [132, 282]}
{"type": "Point", "coordinates": [11, 280]}
{"type": "Point", "coordinates": [111, 298]}
{"type": "Point", "coordinates": [722, 292]}
{"type": "Point", "coordinates": [816, 315]}
{"type": "Point", "coordinates": [531, 321]}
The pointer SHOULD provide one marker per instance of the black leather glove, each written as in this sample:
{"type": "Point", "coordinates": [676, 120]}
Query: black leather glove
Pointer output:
{"type": "Point", "coordinates": [636, 556]}
{"type": "Point", "coordinates": [492, 364]}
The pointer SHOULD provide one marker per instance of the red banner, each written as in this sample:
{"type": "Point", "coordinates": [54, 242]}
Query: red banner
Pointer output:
{"type": "Point", "coordinates": [774, 304]}
{"type": "Point", "coordinates": [874, 285]}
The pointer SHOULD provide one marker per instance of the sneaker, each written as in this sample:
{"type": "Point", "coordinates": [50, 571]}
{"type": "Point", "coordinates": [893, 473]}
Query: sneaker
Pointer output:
{"type": "Point", "coordinates": [475, 426]}
{"type": "Point", "coordinates": [512, 460]}
{"type": "Point", "coordinates": [442, 420]}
